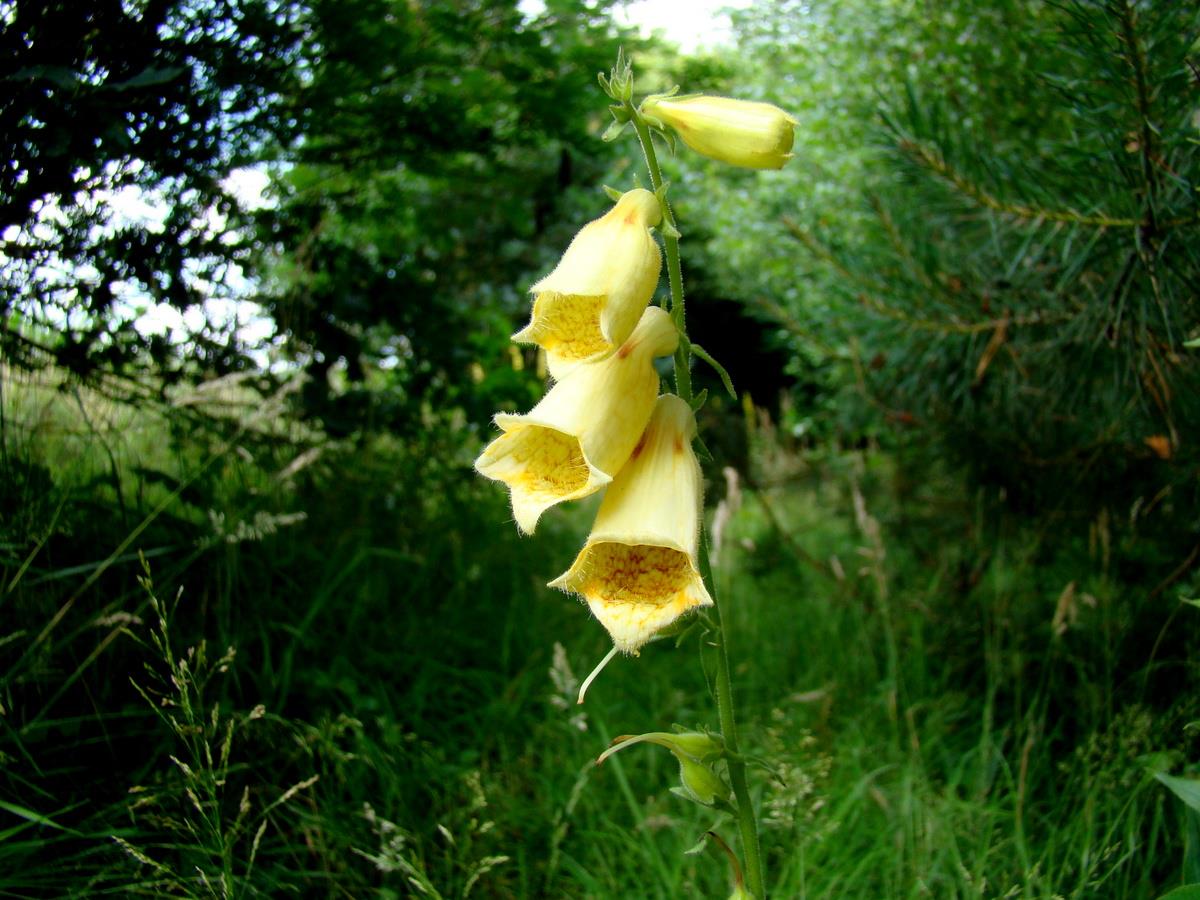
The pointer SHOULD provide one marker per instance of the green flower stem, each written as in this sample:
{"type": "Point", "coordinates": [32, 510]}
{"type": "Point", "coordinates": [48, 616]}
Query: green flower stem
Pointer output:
{"type": "Point", "coordinates": [683, 357]}
{"type": "Point", "coordinates": [747, 821]}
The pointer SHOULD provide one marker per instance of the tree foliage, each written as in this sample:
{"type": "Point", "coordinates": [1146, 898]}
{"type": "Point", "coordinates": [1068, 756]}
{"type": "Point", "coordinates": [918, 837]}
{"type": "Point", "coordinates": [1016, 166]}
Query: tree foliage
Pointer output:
{"type": "Point", "coordinates": [438, 146]}
{"type": "Point", "coordinates": [419, 151]}
{"type": "Point", "coordinates": [153, 103]}
{"type": "Point", "coordinates": [1016, 279]}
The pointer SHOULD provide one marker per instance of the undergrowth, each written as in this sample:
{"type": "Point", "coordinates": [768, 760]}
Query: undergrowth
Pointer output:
{"type": "Point", "coordinates": [240, 658]}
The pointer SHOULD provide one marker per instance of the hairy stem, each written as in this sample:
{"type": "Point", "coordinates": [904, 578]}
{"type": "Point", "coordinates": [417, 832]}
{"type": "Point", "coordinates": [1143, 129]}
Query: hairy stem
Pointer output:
{"type": "Point", "coordinates": [747, 821]}
{"type": "Point", "coordinates": [683, 357]}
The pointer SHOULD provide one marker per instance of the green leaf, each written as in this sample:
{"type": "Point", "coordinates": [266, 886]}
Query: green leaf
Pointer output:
{"type": "Point", "coordinates": [1184, 892]}
{"type": "Point", "coordinates": [57, 75]}
{"type": "Point", "coordinates": [613, 194]}
{"type": "Point", "coordinates": [1193, 344]}
{"type": "Point", "coordinates": [699, 400]}
{"type": "Point", "coordinates": [1186, 789]}
{"type": "Point", "coordinates": [725, 379]}
{"type": "Point", "coordinates": [1191, 847]}
{"type": "Point", "coordinates": [36, 817]}
{"type": "Point", "coordinates": [148, 78]}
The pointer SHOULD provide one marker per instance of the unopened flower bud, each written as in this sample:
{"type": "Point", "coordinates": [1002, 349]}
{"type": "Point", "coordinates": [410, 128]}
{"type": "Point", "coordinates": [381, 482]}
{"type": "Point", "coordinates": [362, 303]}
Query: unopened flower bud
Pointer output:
{"type": "Point", "coordinates": [694, 750]}
{"type": "Point", "coordinates": [701, 783]}
{"type": "Point", "coordinates": [695, 745]}
{"type": "Point", "coordinates": [739, 132]}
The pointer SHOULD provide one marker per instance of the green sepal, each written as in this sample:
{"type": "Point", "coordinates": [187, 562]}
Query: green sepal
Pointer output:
{"type": "Point", "coordinates": [613, 194]}
{"type": "Point", "coordinates": [679, 628]}
{"type": "Point", "coordinates": [652, 122]}
{"type": "Point", "coordinates": [702, 449]}
{"type": "Point", "coordinates": [621, 112]}
{"type": "Point", "coordinates": [605, 85]}
{"type": "Point", "coordinates": [663, 134]}
{"type": "Point", "coordinates": [672, 94]}
{"type": "Point", "coordinates": [699, 400]}
{"type": "Point", "coordinates": [683, 635]}
{"type": "Point", "coordinates": [677, 318]}
{"type": "Point", "coordinates": [666, 227]}
{"type": "Point", "coordinates": [613, 131]}
{"type": "Point", "coordinates": [725, 379]}
{"type": "Point", "coordinates": [715, 736]}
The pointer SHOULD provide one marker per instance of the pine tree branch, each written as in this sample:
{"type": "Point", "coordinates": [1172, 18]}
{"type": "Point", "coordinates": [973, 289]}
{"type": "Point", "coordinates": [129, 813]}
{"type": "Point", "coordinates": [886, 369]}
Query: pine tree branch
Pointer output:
{"type": "Point", "coordinates": [931, 159]}
{"type": "Point", "coordinates": [870, 298]}
{"type": "Point", "coordinates": [1145, 236]}
{"type": "Point", "coordinates": [1136, 60]}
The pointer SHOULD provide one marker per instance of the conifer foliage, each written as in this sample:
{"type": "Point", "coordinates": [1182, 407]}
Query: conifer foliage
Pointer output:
{"type": "Point", "coordinates": [1029, 291]}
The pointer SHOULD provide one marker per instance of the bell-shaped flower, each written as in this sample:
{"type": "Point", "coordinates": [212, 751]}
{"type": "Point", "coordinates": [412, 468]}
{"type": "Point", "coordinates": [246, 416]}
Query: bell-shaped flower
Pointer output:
{"type": "Point", "coordinates": [638, 570]}
{"type": "Point", "coordinates": [586, 427]}
{"type": "Point", "coordinates": [739, 132]}
{"type": "Point", "coordinates": [589, 305]}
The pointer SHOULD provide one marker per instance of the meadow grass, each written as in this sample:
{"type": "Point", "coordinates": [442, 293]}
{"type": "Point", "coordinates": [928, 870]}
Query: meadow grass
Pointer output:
{"type": "Point", "coordinates": [240, 658]}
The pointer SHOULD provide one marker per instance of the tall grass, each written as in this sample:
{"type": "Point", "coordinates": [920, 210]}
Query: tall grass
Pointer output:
{"type": "Point", "coordinates": [240, 658]}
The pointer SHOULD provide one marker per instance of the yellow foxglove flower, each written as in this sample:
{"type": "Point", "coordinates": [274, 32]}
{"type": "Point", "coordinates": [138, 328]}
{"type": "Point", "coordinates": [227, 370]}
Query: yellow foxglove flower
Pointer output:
{"type": "Point", "coordinates": [589, 305]}
{"type": "Point", "coordinates": [638, 569]}
{"type": "Point", "coordinates": [739, 132]}
{"type": "Point", "coordinates": [582, 432]}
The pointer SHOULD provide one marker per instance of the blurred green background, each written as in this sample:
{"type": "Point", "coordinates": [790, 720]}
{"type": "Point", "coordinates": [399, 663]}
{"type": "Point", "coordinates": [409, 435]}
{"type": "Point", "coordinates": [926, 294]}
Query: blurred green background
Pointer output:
{"type": "Point", "coordinates": [263, 631]}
